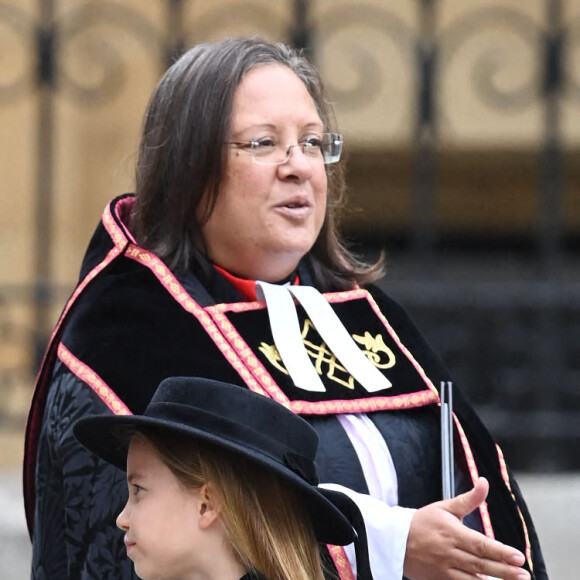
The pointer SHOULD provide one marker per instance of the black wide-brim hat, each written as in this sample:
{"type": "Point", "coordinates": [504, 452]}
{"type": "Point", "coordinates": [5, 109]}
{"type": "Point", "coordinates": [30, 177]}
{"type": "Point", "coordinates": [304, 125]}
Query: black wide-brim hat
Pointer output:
{"type": "Point", "coordinates": [236, 419]}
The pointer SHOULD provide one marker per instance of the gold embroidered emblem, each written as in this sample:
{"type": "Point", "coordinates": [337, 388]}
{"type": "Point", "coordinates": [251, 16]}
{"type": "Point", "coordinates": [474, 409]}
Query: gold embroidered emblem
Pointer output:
{"type": "Point", "coordinates": [322, 358]}
{"type": "Point", "coordinates": [374, 346]}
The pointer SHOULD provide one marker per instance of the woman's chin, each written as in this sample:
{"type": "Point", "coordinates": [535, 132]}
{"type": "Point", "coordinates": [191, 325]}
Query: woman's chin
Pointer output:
{"type": "Point", "coordinates": [278, 269]}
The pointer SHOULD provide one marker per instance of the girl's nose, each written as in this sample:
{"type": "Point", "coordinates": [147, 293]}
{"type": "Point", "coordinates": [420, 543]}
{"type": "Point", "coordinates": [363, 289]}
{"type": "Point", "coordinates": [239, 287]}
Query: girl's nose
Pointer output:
{"type": "Point", "coordinates": [123, 520]}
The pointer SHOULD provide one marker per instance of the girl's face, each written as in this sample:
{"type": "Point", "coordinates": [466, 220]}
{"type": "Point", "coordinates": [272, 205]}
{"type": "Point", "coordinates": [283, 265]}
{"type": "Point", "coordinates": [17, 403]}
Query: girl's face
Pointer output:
{"type": "Point", "coordinates": [267, 217]}
{"type": "Point", "coordinates": [165, 524]}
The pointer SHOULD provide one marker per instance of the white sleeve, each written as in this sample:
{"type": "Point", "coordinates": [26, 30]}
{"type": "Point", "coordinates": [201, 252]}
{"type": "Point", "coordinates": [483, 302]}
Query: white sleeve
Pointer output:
{"type": "Point", "coordinates": [387, 528]}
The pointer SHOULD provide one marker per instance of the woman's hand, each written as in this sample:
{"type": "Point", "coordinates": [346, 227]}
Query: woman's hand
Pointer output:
{"type": "Point", "coordinates": [440, 547]}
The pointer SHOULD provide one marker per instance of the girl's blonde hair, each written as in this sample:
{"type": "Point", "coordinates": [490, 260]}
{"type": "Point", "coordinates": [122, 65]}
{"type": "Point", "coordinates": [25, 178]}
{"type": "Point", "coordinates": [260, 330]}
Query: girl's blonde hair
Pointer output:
{"type": "Point", "coordinates": [265, 519]}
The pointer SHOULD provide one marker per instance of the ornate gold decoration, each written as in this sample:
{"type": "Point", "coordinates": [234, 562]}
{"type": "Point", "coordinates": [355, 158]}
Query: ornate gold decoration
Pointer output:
{"type": "Point", "coordinates": [374, 346]}
{"type": "Point", "coordinates": [326, 363]}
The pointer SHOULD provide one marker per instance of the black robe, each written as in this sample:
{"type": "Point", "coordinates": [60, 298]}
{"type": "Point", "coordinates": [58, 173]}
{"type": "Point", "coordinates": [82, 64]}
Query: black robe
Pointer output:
{"type": "Point", "coordinates": [131, 322]}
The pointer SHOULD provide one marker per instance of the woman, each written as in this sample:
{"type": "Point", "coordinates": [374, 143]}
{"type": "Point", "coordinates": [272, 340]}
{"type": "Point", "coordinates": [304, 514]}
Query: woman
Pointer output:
{"type": "Point", "coordinates": [215, 268]}
{"type": "Point", "coordinates": [210, 499]}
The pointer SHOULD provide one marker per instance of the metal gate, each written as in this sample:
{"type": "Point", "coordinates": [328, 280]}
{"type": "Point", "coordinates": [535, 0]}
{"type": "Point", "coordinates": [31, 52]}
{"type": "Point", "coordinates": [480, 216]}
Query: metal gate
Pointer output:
{"type": "Point", "coordinates": [512, 343]}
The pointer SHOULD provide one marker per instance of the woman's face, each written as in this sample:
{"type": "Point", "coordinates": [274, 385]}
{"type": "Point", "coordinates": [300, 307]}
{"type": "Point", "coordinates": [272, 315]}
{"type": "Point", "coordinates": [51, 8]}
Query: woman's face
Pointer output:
{"type": "Point", "coordinates": [267, 217]}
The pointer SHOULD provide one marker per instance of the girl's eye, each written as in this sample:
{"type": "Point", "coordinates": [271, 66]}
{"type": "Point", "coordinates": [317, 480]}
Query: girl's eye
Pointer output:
{"type": "Point", "coordinates": [136, 489]}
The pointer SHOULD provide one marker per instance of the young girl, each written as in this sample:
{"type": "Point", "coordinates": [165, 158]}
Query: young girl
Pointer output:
{"type": "Point", "coordinates": [222, 485]}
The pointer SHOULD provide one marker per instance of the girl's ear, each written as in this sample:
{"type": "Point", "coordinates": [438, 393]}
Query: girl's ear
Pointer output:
{"type": "Point", "coordinates": [209, 507]}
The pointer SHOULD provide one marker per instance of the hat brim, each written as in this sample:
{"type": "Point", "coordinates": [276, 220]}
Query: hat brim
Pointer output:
{"type": "Point", "coordinates": [102, 436]}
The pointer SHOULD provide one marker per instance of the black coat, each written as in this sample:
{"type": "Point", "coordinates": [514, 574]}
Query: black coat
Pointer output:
{"type": "Point", "coordinates": [130, 323]}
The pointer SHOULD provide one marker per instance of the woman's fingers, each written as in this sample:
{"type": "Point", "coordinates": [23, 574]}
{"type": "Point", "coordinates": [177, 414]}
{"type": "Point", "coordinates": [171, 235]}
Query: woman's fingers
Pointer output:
{"type": "Point", "coordinates": [440, 547]}
{"type": "Point", "coordinates": [465, 503]}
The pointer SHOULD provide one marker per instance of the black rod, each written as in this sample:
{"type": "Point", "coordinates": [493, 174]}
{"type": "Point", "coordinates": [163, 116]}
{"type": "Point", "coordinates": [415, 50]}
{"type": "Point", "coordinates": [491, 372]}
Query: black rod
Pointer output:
{"type": "Point", "coordinates": [46, 81]}
{"type": "Point", "coordinates": [425, 174]}
{"type": "Point", "coordinates": [175, 39]}
{"type": "Point", "coordinates": [551, 163]}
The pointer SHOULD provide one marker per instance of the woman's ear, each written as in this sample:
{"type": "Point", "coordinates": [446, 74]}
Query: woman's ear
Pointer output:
{"type": "Point", "coordinates": [209, 507]}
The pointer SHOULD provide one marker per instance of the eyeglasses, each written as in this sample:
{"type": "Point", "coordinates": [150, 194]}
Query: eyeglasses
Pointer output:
{"type": "Point", "coordinates": [326, 147]}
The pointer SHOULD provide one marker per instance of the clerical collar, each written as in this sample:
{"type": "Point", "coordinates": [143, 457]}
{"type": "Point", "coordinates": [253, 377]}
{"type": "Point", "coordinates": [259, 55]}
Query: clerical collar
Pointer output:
{"type": "Point", "coordinates": [246, 287]}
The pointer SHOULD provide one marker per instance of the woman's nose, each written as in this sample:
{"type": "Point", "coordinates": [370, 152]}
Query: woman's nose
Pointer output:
{"type": "Point", "coordinates": [298, 164]}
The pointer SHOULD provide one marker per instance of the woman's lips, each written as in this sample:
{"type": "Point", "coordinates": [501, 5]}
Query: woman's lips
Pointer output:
{"type": "Point", "coordinates": [296, 209]}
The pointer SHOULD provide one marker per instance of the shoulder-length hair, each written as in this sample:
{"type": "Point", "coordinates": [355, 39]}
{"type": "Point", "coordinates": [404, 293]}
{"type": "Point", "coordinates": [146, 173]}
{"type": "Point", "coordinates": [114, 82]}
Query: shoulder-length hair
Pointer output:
{"type": "Point", "coordinates": [182, 159]}
{"type": "Point", "coordinates": [264, 519]}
